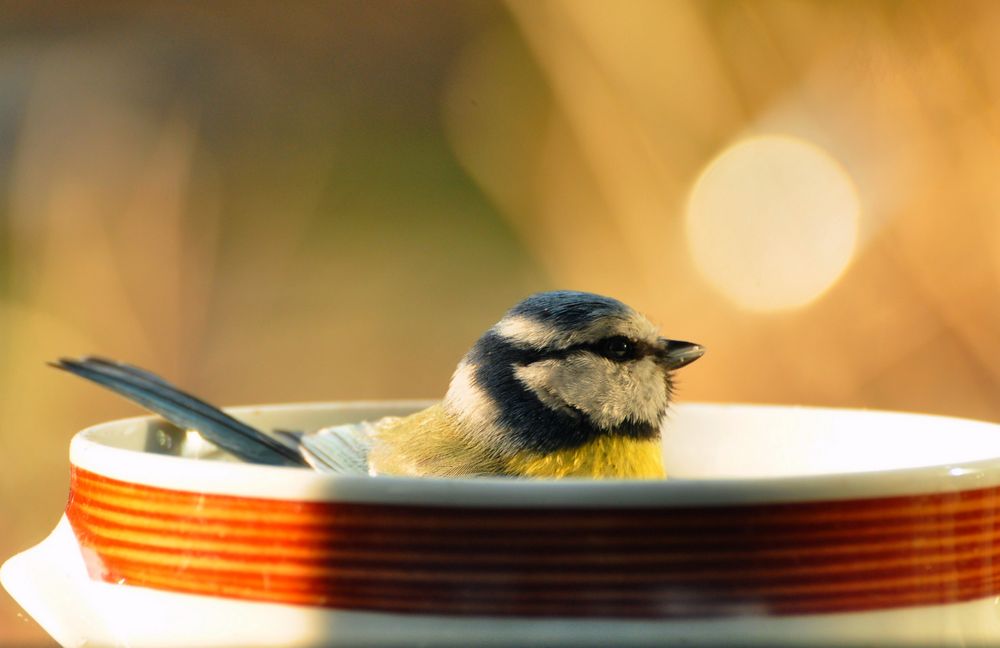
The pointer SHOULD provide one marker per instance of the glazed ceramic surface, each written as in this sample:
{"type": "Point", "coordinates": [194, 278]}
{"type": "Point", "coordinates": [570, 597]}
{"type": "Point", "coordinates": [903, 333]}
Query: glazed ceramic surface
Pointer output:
{"type": "Point", "coordinates": [778, 525]}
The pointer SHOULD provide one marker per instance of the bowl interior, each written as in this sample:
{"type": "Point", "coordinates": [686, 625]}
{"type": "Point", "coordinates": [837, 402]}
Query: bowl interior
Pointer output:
{"type": "Point", "coordinates": [740, 441]}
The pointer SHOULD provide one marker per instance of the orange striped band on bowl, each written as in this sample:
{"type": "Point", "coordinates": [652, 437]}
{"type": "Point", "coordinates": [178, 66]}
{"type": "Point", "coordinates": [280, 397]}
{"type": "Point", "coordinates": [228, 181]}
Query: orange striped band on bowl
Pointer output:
{"type": "Point", "coordinates": [656, 563]}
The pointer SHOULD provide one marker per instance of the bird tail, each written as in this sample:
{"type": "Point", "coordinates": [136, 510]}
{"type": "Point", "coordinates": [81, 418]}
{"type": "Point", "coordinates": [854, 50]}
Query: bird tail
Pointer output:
{"type": "Point", "coordinates": [184, 410]}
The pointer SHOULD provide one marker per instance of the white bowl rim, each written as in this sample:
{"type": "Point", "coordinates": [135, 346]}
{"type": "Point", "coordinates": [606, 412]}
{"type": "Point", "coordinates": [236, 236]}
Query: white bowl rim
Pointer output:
{"type": "Point", "coordinates": [297, 484]}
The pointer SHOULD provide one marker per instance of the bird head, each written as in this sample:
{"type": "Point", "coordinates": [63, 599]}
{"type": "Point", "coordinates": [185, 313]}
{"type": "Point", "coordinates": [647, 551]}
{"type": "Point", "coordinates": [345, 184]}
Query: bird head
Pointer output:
{"type": "Point", "coordinates": [562, 368]}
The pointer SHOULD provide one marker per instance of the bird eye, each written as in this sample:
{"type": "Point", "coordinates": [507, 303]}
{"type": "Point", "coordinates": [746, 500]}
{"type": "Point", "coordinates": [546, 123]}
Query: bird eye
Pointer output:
{"type": "Point", "coordinates": [617, 348]}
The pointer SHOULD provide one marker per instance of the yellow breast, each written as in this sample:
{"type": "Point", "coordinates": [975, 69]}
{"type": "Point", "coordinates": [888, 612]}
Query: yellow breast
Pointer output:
{"type": "Point", "coordinates": [604, 458]}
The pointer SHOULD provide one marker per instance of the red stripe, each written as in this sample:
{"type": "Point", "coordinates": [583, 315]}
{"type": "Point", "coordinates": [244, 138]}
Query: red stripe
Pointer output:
{"type": "Point", "coordinates": [527, 602]}
{"type": "Point", "coordinates": [937, 530]}
{"type": "Point", "coordinates": [666, 562]}
{"type": "Point", "coordinates": [427, 577]}
{"type": "Point", "coordinates": [657, 564]}
{"type": "Point", "coordinates": [837, 512]}
{"type": "Point", "coordinates": [279, 585]}
{"type": "Point", "coordinates": [726, 521]}
{"type": "Point", "coordinates": [849, 509]}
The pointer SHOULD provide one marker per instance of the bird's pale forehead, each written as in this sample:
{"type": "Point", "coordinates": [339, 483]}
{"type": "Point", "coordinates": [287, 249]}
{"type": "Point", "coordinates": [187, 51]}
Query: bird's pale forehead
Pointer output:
{"type": "Point", "coordinates": [523, 331]}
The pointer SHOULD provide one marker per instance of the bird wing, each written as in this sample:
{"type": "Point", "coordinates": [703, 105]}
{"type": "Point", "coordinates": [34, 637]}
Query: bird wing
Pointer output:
{"type": "Point", "coordinates": [341, 449]}
{"type": "Point", "coordinates": [185, 411]}
{"type": "Point", "coordinates": [431, 443]}
{"type": "Point", "coordinates": [421, 444]}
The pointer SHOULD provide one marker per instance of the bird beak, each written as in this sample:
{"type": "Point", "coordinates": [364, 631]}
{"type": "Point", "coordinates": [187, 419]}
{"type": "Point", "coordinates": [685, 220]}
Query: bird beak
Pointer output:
{"type": "Point", "coordinates": [674, 354]}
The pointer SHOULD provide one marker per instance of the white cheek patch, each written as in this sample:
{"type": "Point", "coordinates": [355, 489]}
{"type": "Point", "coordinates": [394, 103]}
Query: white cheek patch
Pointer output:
{"type": "Point", "coordinates": [538, 377]}
{"type": "Point", "coordinates": [608, 392]}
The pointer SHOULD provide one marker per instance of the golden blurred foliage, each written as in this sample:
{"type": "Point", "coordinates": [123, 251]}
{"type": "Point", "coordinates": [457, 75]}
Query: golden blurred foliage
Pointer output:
{"type": "Point", "coordinates": [327, 201]}
{"type": "Point", "coordinates": [641, 97]}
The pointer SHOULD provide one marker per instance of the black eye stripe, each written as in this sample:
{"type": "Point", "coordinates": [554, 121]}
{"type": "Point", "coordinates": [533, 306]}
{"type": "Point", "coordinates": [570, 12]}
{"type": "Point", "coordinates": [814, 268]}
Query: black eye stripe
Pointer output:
{"type": "Point", "coordinates": [639, 350]}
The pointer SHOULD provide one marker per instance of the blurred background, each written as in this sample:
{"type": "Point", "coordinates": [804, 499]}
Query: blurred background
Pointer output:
{"type": "Point", "coordinates": [324, 201]}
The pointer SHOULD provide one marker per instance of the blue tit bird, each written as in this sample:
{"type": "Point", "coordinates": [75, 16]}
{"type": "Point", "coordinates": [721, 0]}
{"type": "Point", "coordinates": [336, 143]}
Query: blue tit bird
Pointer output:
{"type": "Point", "coordinates": [566, 384]}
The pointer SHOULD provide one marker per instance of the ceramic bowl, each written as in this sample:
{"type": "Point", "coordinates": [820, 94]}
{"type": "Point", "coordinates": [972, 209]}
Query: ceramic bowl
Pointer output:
{"type": "Point", "coordinates": [778, 526]}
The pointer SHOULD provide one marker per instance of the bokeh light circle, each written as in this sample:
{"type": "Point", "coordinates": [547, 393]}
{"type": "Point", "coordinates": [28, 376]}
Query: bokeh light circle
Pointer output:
{"type": "Point", "coordinates": [772, 222]}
